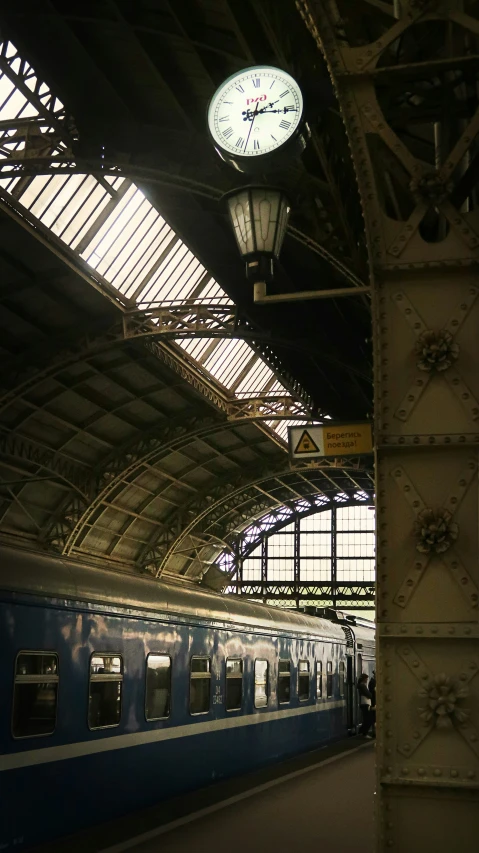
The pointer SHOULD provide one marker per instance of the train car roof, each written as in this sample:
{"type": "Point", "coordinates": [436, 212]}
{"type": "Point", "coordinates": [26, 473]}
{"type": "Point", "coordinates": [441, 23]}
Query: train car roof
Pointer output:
{"type": "Point", "coordinates": [45, 575]}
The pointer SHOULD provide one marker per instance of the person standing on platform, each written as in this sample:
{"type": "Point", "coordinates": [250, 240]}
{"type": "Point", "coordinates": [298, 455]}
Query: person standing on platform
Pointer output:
{"type": "Point", "coordinates": [372, 690]}
{"type": "Point", "coordinates": [365, 700]}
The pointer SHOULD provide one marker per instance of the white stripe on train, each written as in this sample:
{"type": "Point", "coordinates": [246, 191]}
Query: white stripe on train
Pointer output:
{"type": "Point", "coordinates": [47, 754]}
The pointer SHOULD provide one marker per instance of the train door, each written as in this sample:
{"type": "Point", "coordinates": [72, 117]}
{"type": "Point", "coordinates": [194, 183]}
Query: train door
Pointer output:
{"type": "Point", "coordinates": [350, 692]}
{"type": "Point", "coordinates": [359, 669]}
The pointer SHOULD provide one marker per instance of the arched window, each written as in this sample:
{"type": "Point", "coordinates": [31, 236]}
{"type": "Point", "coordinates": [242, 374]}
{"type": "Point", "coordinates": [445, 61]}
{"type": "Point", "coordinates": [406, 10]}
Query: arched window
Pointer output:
{"type": "Point", "coordinates": [322, 558]}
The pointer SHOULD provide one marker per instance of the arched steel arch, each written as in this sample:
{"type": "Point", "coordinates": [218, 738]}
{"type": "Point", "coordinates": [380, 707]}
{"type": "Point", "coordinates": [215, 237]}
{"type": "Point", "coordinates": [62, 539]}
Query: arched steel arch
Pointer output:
{"type": "Point", "coordinates": [246, 502]}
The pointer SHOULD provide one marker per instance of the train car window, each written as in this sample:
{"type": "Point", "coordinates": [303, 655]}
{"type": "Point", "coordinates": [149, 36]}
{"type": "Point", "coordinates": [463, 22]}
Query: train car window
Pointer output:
{"type": "Point", "coordinates": [260, 683]}
{"type": "Point", "coordinates": [329, 679]}
{"type": "Point", "coordinates": [234, 684]}
{"type": "Point", "coordinates": [319, 679]}
{"type": "Point", "coordinates": [200, 685]}
{"type": "Point", "coordinates": [284, 681]}
{"type": "Point", "coordinates": [303, 680]}
{"type": "Point", "coordinates": [158, 687]}
{"type": "Point", "coordinates": [35, 694]}
{"type": "Point", "coordinates": [342, 678]}
{"type": "Point", "coordinates": [106, 688]}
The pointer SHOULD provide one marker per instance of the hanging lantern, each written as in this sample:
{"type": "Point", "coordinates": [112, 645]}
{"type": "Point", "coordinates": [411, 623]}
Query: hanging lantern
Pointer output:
{"type": "Point", "coordinates": [259, 216]}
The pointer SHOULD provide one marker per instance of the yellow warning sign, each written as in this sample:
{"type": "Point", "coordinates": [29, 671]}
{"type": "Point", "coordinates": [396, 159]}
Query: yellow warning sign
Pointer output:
{"type": "Point", "coordinates": [319, 440]}
{"type": "Point", "coordinates": [306, 444]}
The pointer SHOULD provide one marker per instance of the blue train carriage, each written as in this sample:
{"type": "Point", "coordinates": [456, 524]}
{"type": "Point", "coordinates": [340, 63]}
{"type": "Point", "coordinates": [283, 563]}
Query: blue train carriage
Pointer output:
{"type": "Point", "coordinates": [119, 691]}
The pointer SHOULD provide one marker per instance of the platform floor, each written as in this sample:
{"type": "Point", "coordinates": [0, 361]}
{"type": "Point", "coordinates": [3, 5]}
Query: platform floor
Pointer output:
{"type": "Point", "coordinates": [321, 802]}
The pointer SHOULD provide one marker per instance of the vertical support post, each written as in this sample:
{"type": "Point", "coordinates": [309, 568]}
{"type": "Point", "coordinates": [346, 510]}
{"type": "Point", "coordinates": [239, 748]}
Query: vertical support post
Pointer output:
{"type": "Point", "coordinates": [423, 245]}
{"type": "Point", "coordinates": [297, 564]}
{"type": "Point", "coordinates": [238, 562]}
{"type": "Point", "coordinates": [334, 574]}
{"type": "Point", "coordinates": [264, 567]}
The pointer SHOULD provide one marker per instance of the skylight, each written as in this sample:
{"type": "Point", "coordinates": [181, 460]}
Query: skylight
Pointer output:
{"type": "Point", "coordinates": [112, 226]}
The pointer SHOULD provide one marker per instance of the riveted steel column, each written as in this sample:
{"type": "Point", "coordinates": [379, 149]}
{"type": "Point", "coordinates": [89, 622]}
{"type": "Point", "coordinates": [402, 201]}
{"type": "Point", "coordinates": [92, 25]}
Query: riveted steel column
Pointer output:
{"type": "Point", "coordinates": [417, 187]}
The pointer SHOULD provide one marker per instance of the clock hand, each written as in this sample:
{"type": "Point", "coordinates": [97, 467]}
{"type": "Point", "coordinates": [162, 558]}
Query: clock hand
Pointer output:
{"type": "Point", "coordinates": [282, 110]}
{"type": "Point", "coordinates": [251, 126]}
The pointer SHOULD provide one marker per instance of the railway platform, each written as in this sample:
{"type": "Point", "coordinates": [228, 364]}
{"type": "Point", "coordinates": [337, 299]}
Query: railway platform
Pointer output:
{"type": "Point", "coordinates": [319, 800]}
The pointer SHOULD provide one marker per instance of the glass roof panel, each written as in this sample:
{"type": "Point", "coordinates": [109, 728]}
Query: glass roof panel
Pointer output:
{"type": "Point", "coordinates": [110, 223]}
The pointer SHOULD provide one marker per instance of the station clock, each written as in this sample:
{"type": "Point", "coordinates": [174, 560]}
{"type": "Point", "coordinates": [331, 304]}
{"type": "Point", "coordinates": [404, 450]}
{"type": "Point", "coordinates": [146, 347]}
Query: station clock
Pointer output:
{"type": "Point", "coordinates": [256, 119]}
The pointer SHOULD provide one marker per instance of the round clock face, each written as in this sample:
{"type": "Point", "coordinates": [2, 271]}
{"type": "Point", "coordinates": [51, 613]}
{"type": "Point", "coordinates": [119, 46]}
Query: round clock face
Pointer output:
{"type": "Point", "coordinates": [255, 111]}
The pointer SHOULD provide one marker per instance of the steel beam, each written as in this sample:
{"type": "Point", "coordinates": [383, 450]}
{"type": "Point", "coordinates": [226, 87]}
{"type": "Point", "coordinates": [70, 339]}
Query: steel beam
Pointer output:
{"type": "Point", "coordinates": [426, 252]}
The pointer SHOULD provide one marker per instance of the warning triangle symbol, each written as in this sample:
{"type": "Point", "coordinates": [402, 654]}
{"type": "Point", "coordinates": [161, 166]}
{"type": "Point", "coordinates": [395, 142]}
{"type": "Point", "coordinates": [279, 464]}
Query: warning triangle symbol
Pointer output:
{"type": "Point", "coordinates": [306, 444]}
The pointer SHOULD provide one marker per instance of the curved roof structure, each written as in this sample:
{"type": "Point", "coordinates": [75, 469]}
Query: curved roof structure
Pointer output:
{"type": "Point", "coordinates": [146, 400]}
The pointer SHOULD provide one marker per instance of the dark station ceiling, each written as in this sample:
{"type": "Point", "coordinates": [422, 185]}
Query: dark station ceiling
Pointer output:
{"type": "Point", "coordinates": [123, 449]}
{"type": "Point", "coordinates": [137, 77]}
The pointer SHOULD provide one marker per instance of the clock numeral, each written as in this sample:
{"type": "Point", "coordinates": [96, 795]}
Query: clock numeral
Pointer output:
{"type": "Point", "coordinates": [227, 102]}
{"type": "Point", "coordinates": [256, 144]}
{"type": "Point", "coordinates": [284, 93]}
{"type": "Point", "coordinates": [274, 137]}
{"type": "Point", "coordinates": [289, 109]}
{"type": "Point", "coordinates": [256, 82]}
{"type": "Point", "coordinates": [225, 118]}
{"type": "Point", "coordinates": [240, 142]}
{"type": "Point", "coordinates": [239, 88]}
{"type": "Point", "coordinates": [272, 84]}
{"type": "Point", "coordinates": [228, 132]}
{"type": "Point", "coordinates": [285, 124]}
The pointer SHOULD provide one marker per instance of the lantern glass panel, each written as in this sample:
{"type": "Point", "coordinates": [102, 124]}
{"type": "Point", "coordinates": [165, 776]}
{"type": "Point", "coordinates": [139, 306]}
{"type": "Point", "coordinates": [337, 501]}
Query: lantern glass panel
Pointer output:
{"type": "Point", "coordinates": [259, 216]}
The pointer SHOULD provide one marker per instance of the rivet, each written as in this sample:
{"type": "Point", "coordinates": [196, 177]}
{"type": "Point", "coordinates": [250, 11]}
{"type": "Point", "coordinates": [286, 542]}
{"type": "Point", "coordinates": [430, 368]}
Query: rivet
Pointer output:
{"type": "Point", "coordinates": [388, 679]}
{"type": "Point", "coordinates": [433, 630]}
{"type": "Point", "coordinates": [464, 581]}
{"type": "Point", "coordinates": [416, 735]}
{"type": "Point", "coordinates": [437, 772]}
{"type": "Point", "coordinates": [421, 771]}
{"type": "Point", "coordinates": [415, 663]}
{"type": "Point", "coordinates": [404, 771]}
{"type": "Point", "coordinates": [452, 630]}
{"type": "Point", "coordinates": [407, 747]}
{"type": "Point", "coordinates": [401, 598]}
{"type": "Point", "coordinates": [388, 697]}
{"type": "Point", "coordinates": [389, 662]}
{"type": "Point", "coordinates": [471, 774]}
{"type": "Point", "coordinates": [403, 629]}
{"type": "Point", "coordinates": [389, 752]}
{"type": "Point", "coordinates": [454, 773]}
{"type": "Point", "coordinates": [388, 715]}
{"type": "Point", "coordinates": [473, 736]}
{"type": "Point", "coordinates": [419, 630]}
{"type": "Point", "coordinates": [405, 651]}
{"type": "Point", "coordinates": [418, 566]}
{"type": "Point", "coordinates": [467, 630]}
{"type": "Point", "coordinates": [389, 733]}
